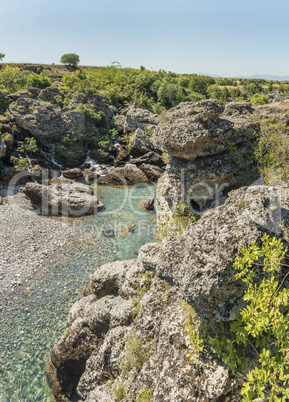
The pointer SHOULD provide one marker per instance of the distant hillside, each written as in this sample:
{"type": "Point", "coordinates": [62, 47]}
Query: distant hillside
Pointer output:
{"type": "Point", "coordinates": [267, 77]}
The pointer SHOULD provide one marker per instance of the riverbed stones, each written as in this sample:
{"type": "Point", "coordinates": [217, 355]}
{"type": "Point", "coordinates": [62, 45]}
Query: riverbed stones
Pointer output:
{"type": "Point", "coordinates": [64, 198]}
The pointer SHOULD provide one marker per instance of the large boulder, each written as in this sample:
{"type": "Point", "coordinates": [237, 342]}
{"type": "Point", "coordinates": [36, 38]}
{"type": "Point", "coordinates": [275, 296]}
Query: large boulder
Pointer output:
{"type": "Point", "coordinates": [210, 154]}
{"type": "Point", "coordinates": [43, 117]}
{"type": "Point", "coordinates": [150, 158]}
{"type": "Point", "coordinates": [140, 118]}
{"type": "Point", "coordinates": [140, 143]}
{"type": "Point", "coordinates": [63, 198]}
{"type": "Point", "coordinates": [127, 175]}
{"type": "Point", "coordinates": [193, 130]}
{"type": "Point", "coordinates": [37, 116]}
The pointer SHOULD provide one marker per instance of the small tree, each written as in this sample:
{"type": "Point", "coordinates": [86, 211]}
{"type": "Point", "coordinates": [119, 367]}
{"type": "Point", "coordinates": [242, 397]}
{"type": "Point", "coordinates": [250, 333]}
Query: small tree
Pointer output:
{"type": "Point", "coordinates": [2, 55]}
{"type": "Point", "coordinates": [71, 59]}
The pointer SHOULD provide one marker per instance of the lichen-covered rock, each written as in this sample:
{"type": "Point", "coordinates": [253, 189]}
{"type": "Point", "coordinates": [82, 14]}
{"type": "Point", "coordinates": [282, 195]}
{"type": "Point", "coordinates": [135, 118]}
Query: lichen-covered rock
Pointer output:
{"type": "Point", "coordinates": [190, 273]}
{"type": "Point", "coordinates": [37, 116]}
{"type": "Point", "coordinates": [150, 158]}
{"type": "Point", "coordinates": [127, 175]}
{"type": "Point", "coordinates": [237, 109]}
{"type": "Point", "coordinates": [43, 117]}
{"type": "Point", "coordinates": [63, 198]}
{"type": "Point", "coordinates": [152, 172]}
{"type": "Point", "coordinates": [193, 130]}
{"type": "Point", "coordinates": [140, 143]}
{"type": "Point", "coordinates": [210, 154]}
{"type": "Point", "coordinates": [140, 118]}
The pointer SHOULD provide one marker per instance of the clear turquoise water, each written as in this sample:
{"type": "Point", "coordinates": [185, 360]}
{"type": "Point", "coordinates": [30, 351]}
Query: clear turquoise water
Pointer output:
{"type": "Point", "coordinates": [35, 317]}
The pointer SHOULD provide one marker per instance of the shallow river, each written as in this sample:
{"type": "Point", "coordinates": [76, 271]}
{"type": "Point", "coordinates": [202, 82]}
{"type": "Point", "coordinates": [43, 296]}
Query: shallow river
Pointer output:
{"type": "Point", "coordinates": [35, 317]}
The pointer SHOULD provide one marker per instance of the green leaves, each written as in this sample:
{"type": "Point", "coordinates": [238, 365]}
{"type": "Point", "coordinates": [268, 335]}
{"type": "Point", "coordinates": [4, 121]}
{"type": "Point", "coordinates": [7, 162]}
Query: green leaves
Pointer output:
{"type": "Point", "coordinates": [259, 337]}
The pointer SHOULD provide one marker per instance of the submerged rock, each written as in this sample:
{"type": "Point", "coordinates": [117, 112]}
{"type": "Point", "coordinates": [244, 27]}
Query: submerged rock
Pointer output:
{"type": "Point", "coordinates": [63, 198]}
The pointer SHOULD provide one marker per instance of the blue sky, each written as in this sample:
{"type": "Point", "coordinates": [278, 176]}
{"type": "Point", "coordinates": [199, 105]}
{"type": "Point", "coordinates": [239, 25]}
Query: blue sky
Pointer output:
{"type": "Point", "coordinates": [228, 38]}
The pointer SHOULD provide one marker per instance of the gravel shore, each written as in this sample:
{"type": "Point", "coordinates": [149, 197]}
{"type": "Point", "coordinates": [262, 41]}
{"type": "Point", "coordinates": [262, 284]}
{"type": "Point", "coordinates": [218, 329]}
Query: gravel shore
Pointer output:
{"type": "Point", "coordinates": [27, 241]}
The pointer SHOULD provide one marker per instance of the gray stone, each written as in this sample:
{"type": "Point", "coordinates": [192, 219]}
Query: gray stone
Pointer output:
{"type": "Point", "coordinates": [63, 198]}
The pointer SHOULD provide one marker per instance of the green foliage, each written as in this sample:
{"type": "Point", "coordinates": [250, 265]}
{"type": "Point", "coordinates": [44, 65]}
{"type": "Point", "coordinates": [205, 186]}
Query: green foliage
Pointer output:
{"type": "Point", "coordinates": [98, 118]}
{"type": "Point", "coordinates": [119, 392]}
{"type": "Point", "coordinates": [272, 150]}
{"type": "Point", "coordinates": [181, 218]}
{"type": "Point", "coordinates": [257, 341]}
{"type": "Point", "coordinates": [236, 158]}
{"type": "Point", "coordinates": [2, 55]}
{"type": "Point", "coordinates": [259, 99]}
{"type": "Point", "coordinates": [38, 80]}
{"type": "Point", "coordinates": [12, 78]}
{"type": "Point", "coordinates": [71, 59]}
{"type": "Point", "coordinates": [147, 277]}
{"type": "Point", "coordinates": [63, 102]}
{"type": "Point", "coordinates": [30, 145]}
{"type": "Point", "coordinates": [136, 353]}
{"type": "Point", "coordinates": [200, 83]}
{"type": "Point", "coordinates": [23, 164]}
{"type": "Point", "coordinates": [144, 395]}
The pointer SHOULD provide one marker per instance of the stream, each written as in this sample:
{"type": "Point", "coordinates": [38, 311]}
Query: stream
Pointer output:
{"type": "Point", "coordinates": [35, 317]}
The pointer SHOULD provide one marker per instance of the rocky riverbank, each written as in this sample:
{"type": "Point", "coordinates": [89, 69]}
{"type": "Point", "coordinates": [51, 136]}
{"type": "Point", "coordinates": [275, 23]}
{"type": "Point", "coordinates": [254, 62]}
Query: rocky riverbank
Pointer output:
{"type": "Point", "coordinates": [127, 338]}
{"type": "Point", "coordinates": [28, 241]}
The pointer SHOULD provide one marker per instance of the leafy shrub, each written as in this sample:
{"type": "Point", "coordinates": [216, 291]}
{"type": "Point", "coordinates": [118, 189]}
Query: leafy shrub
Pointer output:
{"type": "Point", "coordinates": [30, 145]}
{"type": "Point", "coordinates": [200, 84]}
{"type": "Point", "coordinates": [38, 80]}
{"type": "Point", "coordinates": [12, 78]}
{"type": "Point", "coordinates": [259, 99]}
{"type": "Point", "coordinates": [23, 164]}
{"type": "Point", "coordinates": [272, 150]}
{"type": "Point", "coordinates": [2, 55]}
{"type": "Point", "coordinates": [262, 328]}
{"type": "Point", "coordinates": [98, 118]}
{"type": "Point", "coordinates": [136, 353]}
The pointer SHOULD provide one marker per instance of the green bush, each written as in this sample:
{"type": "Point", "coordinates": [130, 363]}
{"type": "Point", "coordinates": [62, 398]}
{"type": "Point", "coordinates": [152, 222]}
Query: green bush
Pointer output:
{"type": "Point", "coordinates": [30, 145]}
{"type": "Point", "coordinates": [2, 55]}
{"type": "Point", "coordinates": [98, 118]}
{"type": "Point", "coordinates": [38, 80]}
{"type": "Point", "coordinates": [257, 341]}
{"type": "Point", "coordinates": [136, 353]}
{"type": "Point", "coordinates": [12, 78]}
{"type": "Point", "coordinates": [259, 99]}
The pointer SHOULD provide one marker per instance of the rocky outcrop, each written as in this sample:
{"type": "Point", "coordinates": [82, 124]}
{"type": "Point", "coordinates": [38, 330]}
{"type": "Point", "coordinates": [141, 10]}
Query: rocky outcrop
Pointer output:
{"type": "Point", "coordinates": [150, 158]}
{"type": "Point", "coordinates": [127, 175]}
{"type": "Point", "coordinates": [140, 143]}
{"type": "Point", "coordinates": [210, 154]}
{"type": "Point", "coordinates": [39, 117]}
{"type": "Point", "coordinates": [190, 273]}
{"type": "Point", "coordinates": [63, 198]}
{"type": "Point", "coordinates": [193, 130]}
{"type": "Point", "coordinates": [140, 119]}
{"type": "Point", "coordinates": [153, 173]}
{"type": "Point", "coordinates": [43, 117]}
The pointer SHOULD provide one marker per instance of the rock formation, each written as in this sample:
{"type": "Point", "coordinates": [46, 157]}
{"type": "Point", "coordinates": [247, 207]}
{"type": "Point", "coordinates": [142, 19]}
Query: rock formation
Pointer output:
{"type": "Point", "coordinates": [63, 198]}
{"type": "Point", "coordinates": [210, 153]}
{"type": "Point", "coordinates": [191, 273]}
